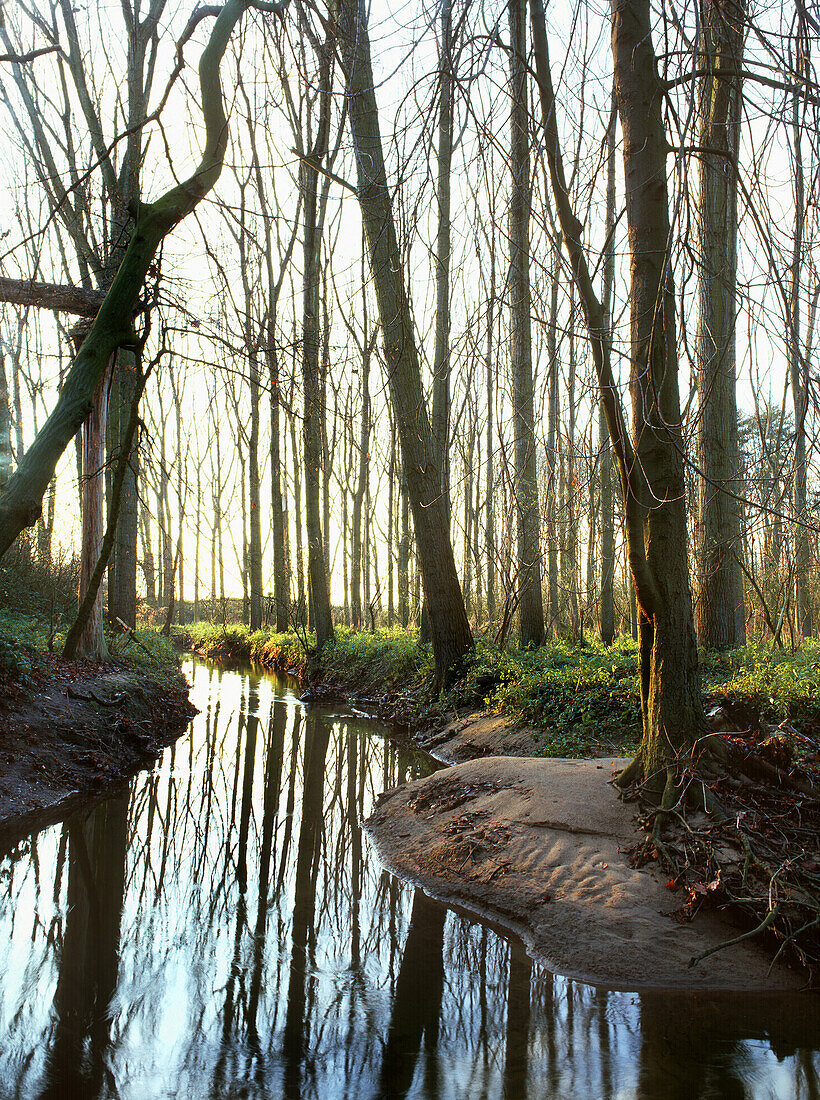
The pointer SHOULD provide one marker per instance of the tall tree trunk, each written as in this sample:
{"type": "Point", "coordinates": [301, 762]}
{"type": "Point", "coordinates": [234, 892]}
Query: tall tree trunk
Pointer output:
{"type": "Point", "coordinates": [671, 693]}
{"type": "Point", "coordinates": [720, 616]}
{"type": "Point", "coordinates": [281, 587]}
{"type": "Point", "coordinates": [489, 472]}
{"type": "Point", "coordinates": [91, 642]}
{"type": "Point", "coordinates": [6, 456]}
{"type": "Point", "coordinates": [529, 552]}
{"type": "Point", "coordinates": [605, 449]}
{"type": "Point", "coordinates": [450, 630]}
{"type": "Point", "coordinates": [122, 572]}
{"type": "Point", "coordinates": [652, 476]}
{"type": "Point", "coordinates": [361, 487]}
{"type": "Point", "coordinates": [314, 412]}
{"type": "Point", "coordinates": [257, 592]}
{"type": "Point", "coordinates": [552, 448]}
{"type": "Point", "coordinates": [440, 421]}
{"type": "Point", "coordinates": [798, 372]}
{"type": "Point", "coordinates": [301, 598]}
{"type": "Point", "coordinates": [404, 556]}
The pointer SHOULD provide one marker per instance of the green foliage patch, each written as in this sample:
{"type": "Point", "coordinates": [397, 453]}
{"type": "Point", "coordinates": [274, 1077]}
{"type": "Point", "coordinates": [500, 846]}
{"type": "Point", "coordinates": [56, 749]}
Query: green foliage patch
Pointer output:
{"type": "Point", "coordinates": [780, 683]}
{"type": "Point", "coordinates": [580, 698]}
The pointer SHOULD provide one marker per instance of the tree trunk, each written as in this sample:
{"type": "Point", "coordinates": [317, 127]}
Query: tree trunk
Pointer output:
{"type": "Point", "coordinates": [91, 642]}
{"type": "Point", "coordinates": [671, 692]}
{"type": "Point", "coordinates": [440, 422]}
{"type": "Point", "coordinates": [720, 615]}
{"type": "Point", "coordinates": [526, 486]}
{"type": "Point", "coordinates": [489, 527]}
{"type": "Point", "coordinates": [257, 592]}
{"type": "Point", "coordinates": [361, 488]}
{"type": "Point", "coordinates": [281, 587]}
{"type": "Point", "coordinates": [122, 574]}
{"type": "Point", "coordinates": [605, 471]}
{"type": "Point", "coordinates": [798, 372]}
{"type": "Point", "coordinates": [450, 629]}
{"type": "Point", "coordinates": [652, 476]}
{"type": "Point", "coordinates": [314, 412]}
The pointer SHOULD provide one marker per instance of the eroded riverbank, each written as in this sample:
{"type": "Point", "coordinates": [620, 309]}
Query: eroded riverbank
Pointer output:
{"type": "Point", "coordinates": [76, 733]}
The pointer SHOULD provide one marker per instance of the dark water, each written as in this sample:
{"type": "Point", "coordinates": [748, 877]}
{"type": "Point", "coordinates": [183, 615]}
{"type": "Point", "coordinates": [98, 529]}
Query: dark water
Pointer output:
{"type": "Point", "coordinates": [224, 930]}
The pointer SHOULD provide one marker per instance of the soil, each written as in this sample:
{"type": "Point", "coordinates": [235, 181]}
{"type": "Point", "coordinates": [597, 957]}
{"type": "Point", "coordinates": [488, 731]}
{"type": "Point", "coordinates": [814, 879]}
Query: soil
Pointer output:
{"type": "Point", "coordinates": [477, 735]}
{"type": "Point", "coordinates": [542, 846]}
{"type": "Point", "coordinates": [77, 733]}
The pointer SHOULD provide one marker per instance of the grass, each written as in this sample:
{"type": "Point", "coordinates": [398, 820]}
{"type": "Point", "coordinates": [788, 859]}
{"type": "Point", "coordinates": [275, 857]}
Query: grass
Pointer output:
{"type": "Point", "coordinates": [26, 639]}
{"type": "Point", "coordinates": [580, 699]}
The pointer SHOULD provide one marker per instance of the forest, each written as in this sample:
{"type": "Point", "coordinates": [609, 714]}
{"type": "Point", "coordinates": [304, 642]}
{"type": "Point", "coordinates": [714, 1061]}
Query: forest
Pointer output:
{"type": "Point", "coordinates": [465, 346]}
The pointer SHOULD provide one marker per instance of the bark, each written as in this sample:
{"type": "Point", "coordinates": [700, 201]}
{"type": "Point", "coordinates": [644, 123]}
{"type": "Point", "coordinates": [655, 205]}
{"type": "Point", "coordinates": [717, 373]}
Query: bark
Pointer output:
{"type": "Point", "coordinates": [122, 576]}
{"type": "Point", "coordinates": [489, 527]}
{"type": "Point", "coordinates": [314, 411]}
{"type": "Point", "coordinates": [361, 490]}
{"type": "Point", "coordinates": [605, 450]}
{"type": "Point", "coordinates": [651, 473]}
{"type": "Point", "coordinates": [450, 630]}
{"type": "Point", "coordinates": [798, 370]}
{"type": "Point", "coordinates": [440, 422]}
{"type": "Point", "coordinates": [21, 502]}
{"type": "Point", "coordinates": [91, 641]}
{"type": "Point", "coordinates": [526, 483]}
{"type": "Point", "coordinates": [552, 449]}
{"type": "Point", "coordinates": [281, 586]}
{"type": "Point", "coordinates": [720, 615]}
{"type": "Point", "coordinates": [257, 592]}
{"type": "Point", "coordinates": [6, 457]}
{"type": "Point", "coordinates": [51, 296]}
{"type": "Point", "coordinates": [671, 697]}
{"type": "Point", "coordinates": [79, 631]}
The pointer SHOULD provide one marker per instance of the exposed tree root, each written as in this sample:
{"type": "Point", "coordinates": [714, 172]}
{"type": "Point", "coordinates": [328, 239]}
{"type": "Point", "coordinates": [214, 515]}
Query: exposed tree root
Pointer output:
{"type": "Point", "coordinates": [737, 830]}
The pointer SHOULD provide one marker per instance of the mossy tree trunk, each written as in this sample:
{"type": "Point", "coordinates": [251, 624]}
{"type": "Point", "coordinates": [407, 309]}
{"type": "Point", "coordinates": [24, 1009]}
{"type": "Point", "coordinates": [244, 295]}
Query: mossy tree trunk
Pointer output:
{"type": "Point", "coordinates": [671, 690]}
{"type": "Point", "coordinates": [650, 465]}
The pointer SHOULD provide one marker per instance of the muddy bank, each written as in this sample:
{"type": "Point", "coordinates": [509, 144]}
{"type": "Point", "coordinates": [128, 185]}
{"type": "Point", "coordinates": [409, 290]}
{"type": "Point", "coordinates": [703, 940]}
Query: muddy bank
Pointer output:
{"type": "Point", "coordinates": [476, 735]}
{"type": "Point", "coordinates": [78, 732]}
{"type": "Point", "coordinates": [541, 847]}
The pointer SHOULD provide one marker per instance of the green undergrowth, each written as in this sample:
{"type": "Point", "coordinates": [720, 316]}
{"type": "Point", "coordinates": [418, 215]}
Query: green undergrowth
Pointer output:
{"type": "Point", "coordinates": [778, 683]}
{"type": "Point", "coordinates": [579, 698]}
{"type": "Point", "coordinates": [29, 644]}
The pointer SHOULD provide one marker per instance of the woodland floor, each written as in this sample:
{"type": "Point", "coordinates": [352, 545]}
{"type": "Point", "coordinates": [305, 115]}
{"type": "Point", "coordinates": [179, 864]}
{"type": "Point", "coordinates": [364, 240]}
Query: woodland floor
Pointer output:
{"type": "Point", "coordinates": [76, 731]}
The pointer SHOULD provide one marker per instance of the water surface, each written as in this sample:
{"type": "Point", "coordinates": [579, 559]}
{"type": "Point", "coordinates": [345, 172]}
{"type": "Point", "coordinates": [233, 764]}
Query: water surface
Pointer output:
{"type": "Point", "coordinates": [223, 929]}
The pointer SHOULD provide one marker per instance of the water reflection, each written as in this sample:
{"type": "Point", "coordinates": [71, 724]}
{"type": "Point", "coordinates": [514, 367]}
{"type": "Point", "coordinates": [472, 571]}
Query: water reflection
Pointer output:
{"type": "Point", "coordinates": [222, 930]}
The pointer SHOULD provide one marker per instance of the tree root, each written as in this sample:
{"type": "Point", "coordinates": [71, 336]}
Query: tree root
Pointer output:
{"type": "Point", "coordinates": [769, 919]}
{"type": "Point", "coordinates": [736, 830]}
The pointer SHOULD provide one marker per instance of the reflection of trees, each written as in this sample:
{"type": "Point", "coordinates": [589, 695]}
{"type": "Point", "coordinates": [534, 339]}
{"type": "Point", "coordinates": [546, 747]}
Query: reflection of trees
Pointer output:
{"type": "Point", "coordinates": [90, 949]}
{"type": "Point", "coordinates": [518, 1023]}
{"type": "Point", "coordinates": [261, 942]}
{"type": "Point", "coordinates": [302, 929]}
{"type": "Point", "coordinates": [416, 1002]}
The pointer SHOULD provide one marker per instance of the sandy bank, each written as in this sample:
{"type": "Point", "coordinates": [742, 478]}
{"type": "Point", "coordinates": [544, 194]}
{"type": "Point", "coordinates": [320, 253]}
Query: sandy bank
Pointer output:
{"type": "Point", "coordinates": [76, 735]}
{"type": "Point", "coordinates": [537, 846]}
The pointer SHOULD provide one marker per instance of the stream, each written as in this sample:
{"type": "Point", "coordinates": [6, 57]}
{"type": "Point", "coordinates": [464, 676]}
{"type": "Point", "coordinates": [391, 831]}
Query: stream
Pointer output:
{"type": "Point", "coordinates": [223, 928]}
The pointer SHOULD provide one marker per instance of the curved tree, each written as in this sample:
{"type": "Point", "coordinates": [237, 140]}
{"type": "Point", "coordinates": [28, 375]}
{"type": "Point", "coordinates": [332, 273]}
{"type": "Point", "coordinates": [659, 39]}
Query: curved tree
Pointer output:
{"type": "Point", "coordinates": [21, 502]}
